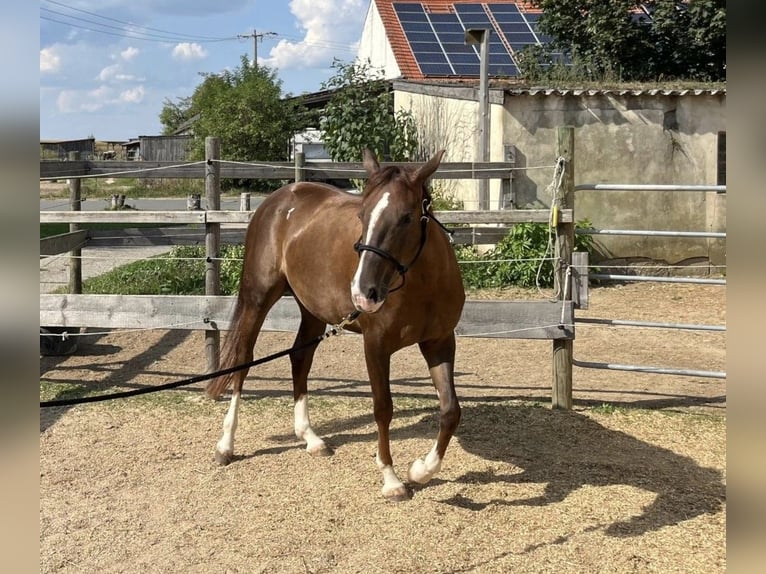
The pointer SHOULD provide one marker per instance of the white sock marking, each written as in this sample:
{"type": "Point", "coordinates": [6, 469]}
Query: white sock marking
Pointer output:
{"type": "Point", "coordinates": [303, 425]}
{"type": "Point", "coordinates": [391, 482]}
{"type": "Point", "coordinates": [226, 444]}
{"type": "Point", "coordinates": [422, 470]}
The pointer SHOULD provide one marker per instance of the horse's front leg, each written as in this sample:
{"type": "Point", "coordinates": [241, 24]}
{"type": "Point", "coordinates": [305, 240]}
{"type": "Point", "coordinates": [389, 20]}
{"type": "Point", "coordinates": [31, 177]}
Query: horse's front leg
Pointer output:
{"type": "Point", "coordinates": [310, 328]}
{"type": "Point", "coordinates": [379, 368]}
{"type": "Point", "coordinates": [440, 356]}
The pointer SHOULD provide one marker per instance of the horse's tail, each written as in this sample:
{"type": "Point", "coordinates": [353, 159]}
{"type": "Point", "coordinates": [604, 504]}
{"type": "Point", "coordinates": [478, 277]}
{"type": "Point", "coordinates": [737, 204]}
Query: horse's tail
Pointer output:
{"type": "Point", "coordinates": [229, 355]}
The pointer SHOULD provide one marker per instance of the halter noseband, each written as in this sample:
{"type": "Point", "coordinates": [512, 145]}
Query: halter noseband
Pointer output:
{"type": "Point", "coordinates": [425, 205]}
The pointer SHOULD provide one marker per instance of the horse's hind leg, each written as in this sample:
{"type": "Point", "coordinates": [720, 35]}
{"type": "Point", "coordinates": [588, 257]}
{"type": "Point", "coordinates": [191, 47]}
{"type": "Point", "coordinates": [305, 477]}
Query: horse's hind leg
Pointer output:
{"type": "Point", "coordinates": [301, 360]}
{"type": "Point", "coordinates": [440, 356]}
{"type": "Point", "coordinates": [238, 349]}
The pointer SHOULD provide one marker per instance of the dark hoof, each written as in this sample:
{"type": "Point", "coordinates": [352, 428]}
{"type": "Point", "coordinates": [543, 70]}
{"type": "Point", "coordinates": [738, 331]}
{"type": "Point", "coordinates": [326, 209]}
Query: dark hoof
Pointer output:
{"type": "Point", "coordinates": [324, 450]}
{"type": "Point", "coordinates": [223, 459]}
{"type": "Point", "coordinates": [398, 495]}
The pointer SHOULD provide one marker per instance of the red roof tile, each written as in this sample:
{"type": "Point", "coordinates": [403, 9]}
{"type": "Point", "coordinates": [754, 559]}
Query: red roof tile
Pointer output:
{"type": "Point", "coordinates": [399, 44]}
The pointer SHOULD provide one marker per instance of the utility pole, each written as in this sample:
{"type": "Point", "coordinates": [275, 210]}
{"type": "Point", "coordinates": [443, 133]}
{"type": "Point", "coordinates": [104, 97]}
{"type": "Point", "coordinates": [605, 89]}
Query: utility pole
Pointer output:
{"type": "Point", "coordinates": [256, 36]}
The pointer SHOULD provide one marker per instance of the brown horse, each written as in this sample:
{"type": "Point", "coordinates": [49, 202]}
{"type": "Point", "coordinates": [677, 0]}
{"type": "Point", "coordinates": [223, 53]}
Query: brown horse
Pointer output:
{"type": "Point", "coordinates": [380, 261]}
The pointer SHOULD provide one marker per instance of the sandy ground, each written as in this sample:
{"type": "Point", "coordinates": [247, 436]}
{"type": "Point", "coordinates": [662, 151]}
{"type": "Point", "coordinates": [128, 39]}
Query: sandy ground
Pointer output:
{"type": "Point", "coordinates": [633, 479]}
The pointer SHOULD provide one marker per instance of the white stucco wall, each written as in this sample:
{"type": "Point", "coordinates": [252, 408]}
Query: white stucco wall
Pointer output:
{"type": "Point", "coordinates": [648, 138]}
{"type": "Point", "coordinates": [374, 46]}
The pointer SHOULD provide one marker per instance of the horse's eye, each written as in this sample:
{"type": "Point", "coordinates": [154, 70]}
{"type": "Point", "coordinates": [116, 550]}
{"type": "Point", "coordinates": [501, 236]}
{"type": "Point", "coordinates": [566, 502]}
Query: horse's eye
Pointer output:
{"type": "Point", "coordinates": [406, 219]}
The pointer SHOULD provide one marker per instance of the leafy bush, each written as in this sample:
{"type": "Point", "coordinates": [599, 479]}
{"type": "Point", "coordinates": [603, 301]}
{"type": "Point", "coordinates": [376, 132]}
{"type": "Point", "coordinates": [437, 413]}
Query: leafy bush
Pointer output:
{"type": "Point", "coordinates": [516, 260]}
{"type": "Point", "coordinates": [180, 272]}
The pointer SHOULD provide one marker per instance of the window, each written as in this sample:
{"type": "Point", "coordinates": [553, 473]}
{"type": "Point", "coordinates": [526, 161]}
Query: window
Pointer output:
{"type": "Point", "coordinates": [721, 179]}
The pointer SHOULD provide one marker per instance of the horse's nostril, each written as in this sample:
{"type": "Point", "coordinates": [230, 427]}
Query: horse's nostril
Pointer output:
{"type": "Point", "coordinates": [372, 294]}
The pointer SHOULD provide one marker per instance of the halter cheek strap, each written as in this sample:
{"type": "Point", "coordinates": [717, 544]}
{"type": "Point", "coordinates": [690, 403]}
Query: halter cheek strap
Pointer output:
{"type": "Point", "coordinates": [359, 247]}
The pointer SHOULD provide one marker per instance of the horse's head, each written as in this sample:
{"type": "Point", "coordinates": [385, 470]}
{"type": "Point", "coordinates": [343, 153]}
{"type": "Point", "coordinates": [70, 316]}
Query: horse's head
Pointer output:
{"type": "Point", "coordinates": [394, 215]}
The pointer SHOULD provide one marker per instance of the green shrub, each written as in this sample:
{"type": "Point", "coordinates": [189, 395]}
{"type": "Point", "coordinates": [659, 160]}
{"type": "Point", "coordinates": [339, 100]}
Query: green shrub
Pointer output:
{"type": "Point", "coordinates": [525, 252]}
{"type": "Point", "coordinates": [180, 272]}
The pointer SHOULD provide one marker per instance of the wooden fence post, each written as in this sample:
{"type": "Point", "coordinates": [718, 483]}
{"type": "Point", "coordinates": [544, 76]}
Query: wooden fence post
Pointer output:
{"type": "Point", "coordinates": [300, 161]}
{"type": "Point", "coordinates": [244, 201]}
{"type": "Point", "coordinates": [561, 397]}
{"type": "Point", "coordinates": [75, 256]}
{"type": "Point", "coordinates": [212, 245]}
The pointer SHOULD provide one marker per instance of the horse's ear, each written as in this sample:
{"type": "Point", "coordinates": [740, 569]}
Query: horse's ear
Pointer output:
{"type": "Point", "coordinates": [370, 162]}
{"type": "Point", "coordinates": [427, 169]}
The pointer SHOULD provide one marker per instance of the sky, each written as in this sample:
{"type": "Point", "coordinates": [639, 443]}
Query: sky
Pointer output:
{"type": "Point", "coordinates": [108, 66]}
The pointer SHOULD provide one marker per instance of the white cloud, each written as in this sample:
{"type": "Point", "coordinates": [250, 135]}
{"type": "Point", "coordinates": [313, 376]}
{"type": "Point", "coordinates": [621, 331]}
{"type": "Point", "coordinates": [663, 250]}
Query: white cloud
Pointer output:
{"type": "Point", "coordinates": [129, 53]}
{"type": "Point", "coordinates": [188, 51]}
{"type": "Point", "coordinates": [325, 24]}
{"type": "Point", "coordinates": [133, 95]}
{"type": "Point", "coordinates": [113, 73]}
{"type": "Point", "coordinates": [108, 73]}
{"type": "Point", "coordinates": [73, 101]}
{"type": "Point", "coordinates": [50, 61]}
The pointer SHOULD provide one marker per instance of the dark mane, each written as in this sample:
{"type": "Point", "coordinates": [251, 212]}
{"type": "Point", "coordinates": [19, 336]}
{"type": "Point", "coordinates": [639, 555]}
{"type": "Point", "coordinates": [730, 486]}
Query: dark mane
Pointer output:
{"type": "Point", "coordinates": [385, 176]}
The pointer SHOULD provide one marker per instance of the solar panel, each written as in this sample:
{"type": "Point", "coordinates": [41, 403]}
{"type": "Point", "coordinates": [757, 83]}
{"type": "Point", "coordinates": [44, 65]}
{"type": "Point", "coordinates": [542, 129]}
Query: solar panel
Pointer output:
{"type": "Point", "coordinates": [416, 27]}
{"type": "Point", "coordinates": [503, 8]}
{"type": "Point", "coordinates": [404, 8]}
{"type": "Point", "coordinates": [436, 69]}
{"type": "Point", "coordinates": [467, 69]}
{"type": "Point", "coordinates": [437, 39]}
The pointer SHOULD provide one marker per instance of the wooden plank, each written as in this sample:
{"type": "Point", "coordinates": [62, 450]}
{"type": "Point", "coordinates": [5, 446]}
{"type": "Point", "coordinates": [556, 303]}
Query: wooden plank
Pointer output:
{"type": "Point", "coordinates": [502, 216]}
{"type": "Point", "coordinates": [64, 242]}
{"type": "Point", "coordinates": [156, 312]}
{"type": "Point", "coordinates": [147, 236]}
{"type": "Point", "coordinates": [517, 320]}
{"type": "Point", "coordinates": [229, 216]}
{"type": "Point", "coordinates": [243, 217]}
{"type": "Point", "coordinates": [62, 169]}
{"type": "Point", "coordinates": [125, 217]}
{"type": "Point", "coordinates": [490, 319]}
{"type": "Point", "coordinates": [580, 288]}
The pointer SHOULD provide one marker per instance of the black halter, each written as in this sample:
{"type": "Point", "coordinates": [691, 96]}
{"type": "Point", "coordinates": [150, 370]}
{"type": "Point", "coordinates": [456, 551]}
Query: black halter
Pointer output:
{"type": "Point", "coordinates": [425, 206]}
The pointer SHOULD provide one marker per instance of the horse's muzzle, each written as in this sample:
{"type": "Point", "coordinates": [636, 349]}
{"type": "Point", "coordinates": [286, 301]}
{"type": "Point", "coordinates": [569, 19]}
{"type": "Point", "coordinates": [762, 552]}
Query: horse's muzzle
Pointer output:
{"type": "Point", "coordinates": [369, 303]}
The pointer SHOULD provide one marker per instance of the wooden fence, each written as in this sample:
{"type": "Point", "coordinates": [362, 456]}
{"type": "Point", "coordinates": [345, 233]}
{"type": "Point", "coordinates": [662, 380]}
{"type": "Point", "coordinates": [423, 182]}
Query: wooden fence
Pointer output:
{"type": "Point", "coordinates": [550, 320]}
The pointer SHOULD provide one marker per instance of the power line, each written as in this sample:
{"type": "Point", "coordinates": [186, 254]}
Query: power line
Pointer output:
{"type": "Point", "coordinates": [136, 36]}
{"type": "Point", "coordinates": [126, 23]}
{"type": "Point", "coordinates": [130, 33]}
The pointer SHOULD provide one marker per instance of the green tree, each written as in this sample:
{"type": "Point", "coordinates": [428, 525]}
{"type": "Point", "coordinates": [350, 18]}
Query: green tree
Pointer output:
{"type": "Point", "coordinates": [607, 40]}
{"type": "Point", "coordinates": [244, 108]}
{"type": "Point", "coordinates": [361, 114]}
{"type": "Point", "coordinates": [174, 114]}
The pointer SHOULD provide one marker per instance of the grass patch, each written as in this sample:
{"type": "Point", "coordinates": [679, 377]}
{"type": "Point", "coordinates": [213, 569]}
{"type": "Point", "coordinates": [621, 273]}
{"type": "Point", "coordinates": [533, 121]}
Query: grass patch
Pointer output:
{"type": "Point", "coordinates": [53, 391]}
{"type": "Point", "coordinates": [607, 409]}
{"type": "Point", "coordinates": [178, 272]}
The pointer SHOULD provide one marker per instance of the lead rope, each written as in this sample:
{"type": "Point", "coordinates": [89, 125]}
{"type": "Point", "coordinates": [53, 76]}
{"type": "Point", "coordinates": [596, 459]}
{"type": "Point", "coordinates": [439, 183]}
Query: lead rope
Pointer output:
{"type": "Point", "coordinates": [334, 330]}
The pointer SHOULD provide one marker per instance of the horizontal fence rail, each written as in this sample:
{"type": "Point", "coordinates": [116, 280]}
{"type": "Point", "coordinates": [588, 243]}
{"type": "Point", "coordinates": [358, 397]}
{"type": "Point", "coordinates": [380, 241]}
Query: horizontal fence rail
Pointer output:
{"type": "Point", "coordinates": [550, 320]}
{"type": "Point", "coordinates": [616, 187]}
{"type": "Point", "coordinates": [652, 233]}
{"type": "Point", "coordinates": [649, 324]}
{"type": "Point", "coordinates": [647, 187]}
{"type": "Point", "coordinates": [697, 280]}
{"type": "Point", "coordinates": [652, 370]}
{"type": "Point", "coordinates": [191, 217]}
{"type": "Point", "coordinates": [241, 170]}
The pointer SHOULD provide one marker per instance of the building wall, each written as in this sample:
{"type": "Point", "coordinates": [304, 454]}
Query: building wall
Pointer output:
{"type": "Point", "coordinates": [647, 138]}
{"type": "Point", "coordinates": [164, 148]}
{"type": "Point", "coordinates": [374, 45]}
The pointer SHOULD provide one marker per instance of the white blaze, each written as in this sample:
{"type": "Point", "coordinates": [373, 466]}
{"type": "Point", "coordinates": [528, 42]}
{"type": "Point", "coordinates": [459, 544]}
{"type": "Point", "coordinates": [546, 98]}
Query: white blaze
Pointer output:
{"type": "Point", "coordinates": [356, 293]}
